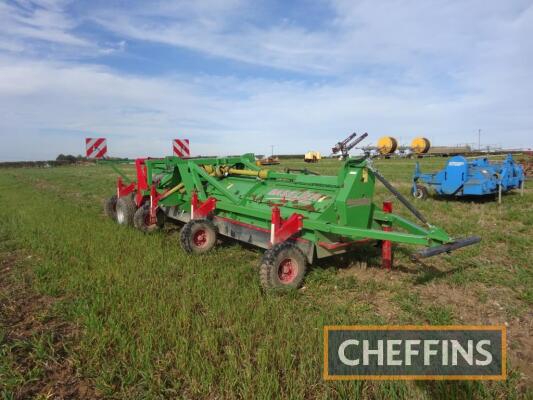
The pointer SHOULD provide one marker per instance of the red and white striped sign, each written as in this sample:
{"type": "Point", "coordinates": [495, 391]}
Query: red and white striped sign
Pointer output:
{"type": "Point", "coordinates": [95, 147]}
{"type": "Point", "coordinates": [181, 148]}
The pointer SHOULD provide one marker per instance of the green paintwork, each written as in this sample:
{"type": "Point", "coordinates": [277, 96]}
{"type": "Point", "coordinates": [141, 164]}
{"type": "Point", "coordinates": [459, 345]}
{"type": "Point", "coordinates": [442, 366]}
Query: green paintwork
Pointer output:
{"type": "Point", "coordinates": [335, 208]}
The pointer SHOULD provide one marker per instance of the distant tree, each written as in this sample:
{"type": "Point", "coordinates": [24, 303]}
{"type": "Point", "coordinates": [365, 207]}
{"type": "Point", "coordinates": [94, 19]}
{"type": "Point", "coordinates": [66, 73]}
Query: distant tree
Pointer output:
{"type": "Point", "coordinates": [69, 158]}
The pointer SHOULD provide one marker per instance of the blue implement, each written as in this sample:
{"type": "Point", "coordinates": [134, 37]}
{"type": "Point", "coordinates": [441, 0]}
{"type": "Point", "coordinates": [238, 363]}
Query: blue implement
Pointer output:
{"type": "Point", "coordinates": [462, 177]}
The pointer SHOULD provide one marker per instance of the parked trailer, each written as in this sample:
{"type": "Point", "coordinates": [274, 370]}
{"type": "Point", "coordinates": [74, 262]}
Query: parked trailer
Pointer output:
{"type": "Point", "coordinates": [295, 217]}
{"type": "Point", "coordinates": [478, 177]}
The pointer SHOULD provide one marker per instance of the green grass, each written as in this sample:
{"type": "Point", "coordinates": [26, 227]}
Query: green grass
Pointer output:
{"type": "Point", "coordinates": [158, 323]}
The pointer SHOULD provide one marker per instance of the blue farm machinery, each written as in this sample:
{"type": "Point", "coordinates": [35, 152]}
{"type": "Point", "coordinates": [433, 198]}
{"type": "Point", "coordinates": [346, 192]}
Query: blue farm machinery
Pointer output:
{"type": "Point", "coordinates": [478, 177]}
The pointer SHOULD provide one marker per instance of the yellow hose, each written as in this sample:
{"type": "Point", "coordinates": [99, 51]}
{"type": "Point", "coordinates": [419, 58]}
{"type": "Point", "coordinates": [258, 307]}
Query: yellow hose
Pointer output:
{"type": "Point", "coordinates": [220, 171]}
{"type": "Point", "coordinates": [179, 186]}
{"type": "Point", "coordinates": [223, 170]}
{"type": "Point", "coordinates": [420, 145]}
{"type": "Point", "coordinates": [387, 145]}
{"type": "Point", "coordinates": [262, 173]}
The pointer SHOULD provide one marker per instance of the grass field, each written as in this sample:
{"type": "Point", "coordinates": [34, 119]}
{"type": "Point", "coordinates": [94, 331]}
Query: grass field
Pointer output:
{"type": "Point", "coordinates": [92, 309]}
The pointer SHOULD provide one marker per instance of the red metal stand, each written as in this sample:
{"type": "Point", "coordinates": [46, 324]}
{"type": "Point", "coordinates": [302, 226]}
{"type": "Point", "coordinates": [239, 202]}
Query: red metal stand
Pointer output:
{"type": "Point", "coordinates": [142, 181]}
{"type": "Point", "coordinates": [280, 229]}
{"type": "Point", "coordinates": [154, 202]}
{"type": "Point", "coordinates": [201, 209]}
{"type": "Point", "coordinates": [124, 190]}
{"type": "Point", "coordinates": [386, 245]}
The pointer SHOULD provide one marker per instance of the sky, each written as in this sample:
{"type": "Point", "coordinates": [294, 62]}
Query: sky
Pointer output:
{"type": "Point", "coordinates": [236, 76]}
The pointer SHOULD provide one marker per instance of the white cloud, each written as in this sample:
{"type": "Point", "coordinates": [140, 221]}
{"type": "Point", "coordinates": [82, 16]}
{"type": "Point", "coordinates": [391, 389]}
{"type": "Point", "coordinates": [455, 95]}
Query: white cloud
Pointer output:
{"type": "Point", "coordinates": [41, 20]}
{"type": "Point", "coordinates": [44, 28]}
{"type": "Point", "coordinates": [59, 104]}
{"type": "Point", "coordinates": [437, 69]}
{"type": "Point", "coordinates": [225, 32]}
{"type": "Point", "coordinates": [411, 36]}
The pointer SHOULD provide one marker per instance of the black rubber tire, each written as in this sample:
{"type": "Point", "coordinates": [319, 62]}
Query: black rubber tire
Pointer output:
{"type": "Point", "coordinates": [110, 207]}
{"type": "Point", "coordinates": [125, 210]}
{"type": "Point", "coordinates": [189, 239]}
{"type": "Point", "coordinates": [421, 192]}
{"type": "Point", "coordinates": [270, 274]}
{"type": "Point", "coordinates": [140, 219]}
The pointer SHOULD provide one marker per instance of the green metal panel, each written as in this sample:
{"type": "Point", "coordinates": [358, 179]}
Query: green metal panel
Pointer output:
{"type": "Point", "coordinates": [334, 207]}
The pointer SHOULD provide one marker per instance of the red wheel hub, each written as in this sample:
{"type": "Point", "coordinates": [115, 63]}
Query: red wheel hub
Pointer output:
{"type": "Point", "coordinates": [287, 270]}
{"type": "Point", "coordinates": [199, 238]}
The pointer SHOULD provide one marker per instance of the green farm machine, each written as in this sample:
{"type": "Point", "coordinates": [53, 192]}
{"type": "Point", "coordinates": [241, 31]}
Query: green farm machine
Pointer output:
{"type": "Point", "coordinates": [295, 216]}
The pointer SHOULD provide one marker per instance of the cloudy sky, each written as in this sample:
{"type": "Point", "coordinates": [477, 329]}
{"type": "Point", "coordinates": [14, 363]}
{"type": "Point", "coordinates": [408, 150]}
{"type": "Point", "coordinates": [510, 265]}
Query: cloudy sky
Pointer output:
{"type": "Point", "coordinates": [238, 76]}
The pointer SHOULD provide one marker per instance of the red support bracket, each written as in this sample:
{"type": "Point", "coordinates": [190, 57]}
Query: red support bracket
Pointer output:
{"type": "Point", "coordinates": [154, 203]}
{"type": "Point", "coordinates": [386, 245]}
{"type": "Point", "coordinates": [124, 190]}
{"type": "Point", "coordinates": [282, 230]}
{"type": "Point", "coordinates": [142, 180]}
{"type": "Point", "coordinates": [202, 209]}
{"type": "Point", "coordinates": [141, 171]}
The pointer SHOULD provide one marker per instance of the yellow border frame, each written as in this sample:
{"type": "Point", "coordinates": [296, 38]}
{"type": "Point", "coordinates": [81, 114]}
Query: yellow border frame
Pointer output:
{"type": "Point", "coordinates": [502, 328]}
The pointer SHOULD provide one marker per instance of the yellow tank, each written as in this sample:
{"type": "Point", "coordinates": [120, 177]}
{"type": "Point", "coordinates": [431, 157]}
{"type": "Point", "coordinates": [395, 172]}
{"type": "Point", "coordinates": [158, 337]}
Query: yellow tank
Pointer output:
{"type": "Point", "coordinates": [420, 145]}
{"type": "Point", "coordinates": [387, 145]}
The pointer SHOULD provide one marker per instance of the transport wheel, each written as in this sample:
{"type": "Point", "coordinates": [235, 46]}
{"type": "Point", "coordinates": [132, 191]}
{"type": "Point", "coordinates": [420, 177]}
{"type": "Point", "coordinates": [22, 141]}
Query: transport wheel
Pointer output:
{"type": "Point", "coordinates": [110, 207]}
{"type": "Point", "coordinates": [421, 192]}
{"type": "Point", "coordinates": [282, 267]}
{"type": "Point", "coordinates": [198, 236]}
{"type": "Point", "coordinates": [141, 219]}
{"type": "Point", "coordinates": [125, 210]}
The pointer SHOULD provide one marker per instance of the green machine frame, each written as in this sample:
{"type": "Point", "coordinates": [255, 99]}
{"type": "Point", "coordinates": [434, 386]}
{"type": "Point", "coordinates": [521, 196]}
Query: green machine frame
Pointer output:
{"type": "Point", "coordinates": [320, 215]}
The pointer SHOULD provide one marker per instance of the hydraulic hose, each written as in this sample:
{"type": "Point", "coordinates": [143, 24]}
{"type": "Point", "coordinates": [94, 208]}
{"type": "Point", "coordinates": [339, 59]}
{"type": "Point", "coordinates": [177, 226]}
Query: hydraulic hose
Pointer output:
{"type": "Point", "coordinates": [398, 195]}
